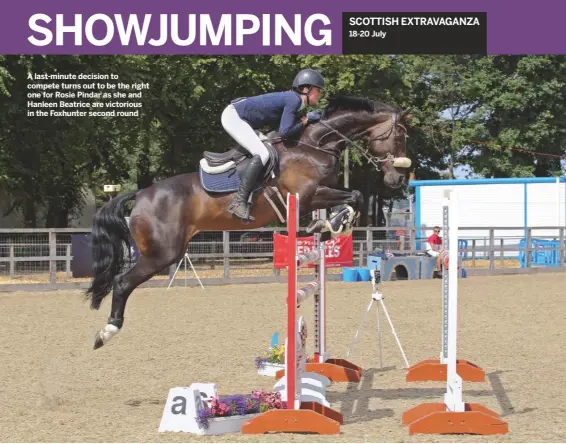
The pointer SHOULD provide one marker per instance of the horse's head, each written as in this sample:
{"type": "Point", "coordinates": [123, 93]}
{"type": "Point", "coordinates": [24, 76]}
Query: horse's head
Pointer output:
{"type": "Point", "coordinates": [381, 126]}
{"type": "Point", "coordinates": [387, 145]}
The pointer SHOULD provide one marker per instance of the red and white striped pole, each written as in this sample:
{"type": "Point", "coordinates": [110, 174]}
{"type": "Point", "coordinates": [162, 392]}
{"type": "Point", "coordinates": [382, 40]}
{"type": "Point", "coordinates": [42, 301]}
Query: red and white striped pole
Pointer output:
{"type": "Point", "coordinates": [291, 346]}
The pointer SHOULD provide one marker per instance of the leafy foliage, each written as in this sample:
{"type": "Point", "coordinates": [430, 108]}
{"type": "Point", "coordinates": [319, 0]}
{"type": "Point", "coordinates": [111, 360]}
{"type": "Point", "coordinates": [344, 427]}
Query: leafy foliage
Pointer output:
{"type": "Point", "coordinates": [489, 113]}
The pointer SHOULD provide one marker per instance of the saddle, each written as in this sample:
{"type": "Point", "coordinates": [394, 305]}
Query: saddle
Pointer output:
{"type": "Point", "coordinates": [218, 163]}
{"type": "Point", "coordinates": [220, 172]}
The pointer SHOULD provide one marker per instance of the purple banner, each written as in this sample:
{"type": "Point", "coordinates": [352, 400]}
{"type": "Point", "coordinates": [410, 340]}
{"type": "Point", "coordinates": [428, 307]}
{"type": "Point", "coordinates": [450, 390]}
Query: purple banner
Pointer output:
{"type": "Point", "coordinates": [250, 26]}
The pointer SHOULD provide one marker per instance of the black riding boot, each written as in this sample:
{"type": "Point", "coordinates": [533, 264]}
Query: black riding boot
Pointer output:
{"type": "Point", "coordinates": [240, 205]}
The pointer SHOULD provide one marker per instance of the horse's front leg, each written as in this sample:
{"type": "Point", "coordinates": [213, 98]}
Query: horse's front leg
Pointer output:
{"type": "Point", "coordinates": [349, 203]}
{"type": "Point", "coordinates": [357, 205]}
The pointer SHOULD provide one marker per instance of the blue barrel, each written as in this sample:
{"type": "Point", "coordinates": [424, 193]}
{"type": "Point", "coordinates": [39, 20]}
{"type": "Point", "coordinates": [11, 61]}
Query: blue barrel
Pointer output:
{"type": "Point", "coordinates": [364, 274]}
{"type": "Point", "coordinates": [350, 274]}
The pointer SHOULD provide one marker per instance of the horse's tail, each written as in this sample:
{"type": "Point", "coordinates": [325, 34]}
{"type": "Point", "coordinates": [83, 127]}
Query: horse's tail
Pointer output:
{"type": "Point", "coordinates": [109, 233]}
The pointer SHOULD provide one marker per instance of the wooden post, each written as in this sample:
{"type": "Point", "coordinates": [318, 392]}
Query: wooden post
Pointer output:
{"type": "Point", "coordinates": [12, 262]}
{"type": "Point", "coordinates": [226, 252]}
{"type": "Point", "coordinates": [491, 248]}
{"type": "Point", "coordinates": [68, 261]}
{"type": "Point", "coordinates": [473, 253]}
{"type": "Point", "coordinates": [52, 254]}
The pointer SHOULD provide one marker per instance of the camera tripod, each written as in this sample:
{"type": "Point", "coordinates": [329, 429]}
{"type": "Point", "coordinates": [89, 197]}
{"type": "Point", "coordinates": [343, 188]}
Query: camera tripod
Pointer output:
{"type": "Point", "coordinates": [184, 260]}
{"type": "Point", "coordinates": [378, 296]}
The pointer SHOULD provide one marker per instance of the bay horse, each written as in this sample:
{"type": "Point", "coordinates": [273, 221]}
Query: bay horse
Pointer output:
{"type": "Point", "coordinates": [166, 215]}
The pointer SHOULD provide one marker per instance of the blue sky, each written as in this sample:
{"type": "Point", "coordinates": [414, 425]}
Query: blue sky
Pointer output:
{"type": "Point", "coordinates": [461, 172]}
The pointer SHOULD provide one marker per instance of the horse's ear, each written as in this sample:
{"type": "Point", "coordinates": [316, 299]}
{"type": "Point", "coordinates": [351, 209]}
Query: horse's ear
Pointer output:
{"type": "Point", "coordinates": [406, 115]}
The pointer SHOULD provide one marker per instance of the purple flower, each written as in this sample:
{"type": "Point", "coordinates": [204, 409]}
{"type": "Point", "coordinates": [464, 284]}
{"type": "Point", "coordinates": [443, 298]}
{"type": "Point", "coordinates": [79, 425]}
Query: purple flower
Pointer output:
{"type": "Point", "coordinates": [236, 404]}
{"type": "Point", "coordinates": [202, 418]}
{"type": "Point", "coordinates": [260, 362]}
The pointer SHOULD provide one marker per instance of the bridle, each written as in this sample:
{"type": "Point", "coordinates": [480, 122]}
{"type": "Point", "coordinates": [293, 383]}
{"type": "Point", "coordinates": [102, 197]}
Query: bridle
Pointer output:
{"type": "Point", "coordinates": [373, 160]}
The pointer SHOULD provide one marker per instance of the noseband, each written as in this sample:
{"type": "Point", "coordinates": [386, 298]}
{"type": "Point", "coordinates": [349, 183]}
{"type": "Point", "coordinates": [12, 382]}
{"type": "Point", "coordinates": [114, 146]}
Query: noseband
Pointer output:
{"type": "Point", "coordinates": [402, 162]}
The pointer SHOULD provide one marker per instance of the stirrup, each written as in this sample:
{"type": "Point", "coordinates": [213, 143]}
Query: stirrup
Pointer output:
{"type": "Point", "coordinates": [246, 218]}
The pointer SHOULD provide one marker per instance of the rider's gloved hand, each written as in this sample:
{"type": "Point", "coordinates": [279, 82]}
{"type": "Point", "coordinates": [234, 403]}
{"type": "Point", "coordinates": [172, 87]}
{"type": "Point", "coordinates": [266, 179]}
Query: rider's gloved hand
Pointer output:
{"type": "Point", "coordinates": [314, 116]}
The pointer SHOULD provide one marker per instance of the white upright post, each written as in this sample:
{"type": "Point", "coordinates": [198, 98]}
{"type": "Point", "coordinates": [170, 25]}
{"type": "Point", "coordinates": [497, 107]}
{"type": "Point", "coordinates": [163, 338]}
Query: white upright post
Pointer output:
{"type": "Point", "coordinates": [453, 396]}
{"type": "Point", "coordinates": [453, 416]}
{"type": "Point", "coordinates": [445, 284]}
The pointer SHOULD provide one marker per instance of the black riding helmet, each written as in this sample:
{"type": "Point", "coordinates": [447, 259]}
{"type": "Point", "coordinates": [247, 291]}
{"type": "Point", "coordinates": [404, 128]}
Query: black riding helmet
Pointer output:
{"type": "Point", "coordinates": [309, 78]}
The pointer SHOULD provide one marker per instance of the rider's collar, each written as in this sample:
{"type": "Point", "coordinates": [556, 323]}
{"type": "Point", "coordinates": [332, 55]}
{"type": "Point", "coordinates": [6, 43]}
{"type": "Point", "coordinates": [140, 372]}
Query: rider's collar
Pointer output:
{"type": "Point", "coordinates": [302, 102]}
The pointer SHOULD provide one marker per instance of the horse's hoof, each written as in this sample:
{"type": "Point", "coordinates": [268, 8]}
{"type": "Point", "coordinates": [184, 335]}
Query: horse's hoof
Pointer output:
{"type": "Point", "coordinates": [98, 342]}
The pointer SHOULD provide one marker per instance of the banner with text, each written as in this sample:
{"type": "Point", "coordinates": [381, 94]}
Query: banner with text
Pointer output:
{"type": "Point", "coordinates": [339, 251]}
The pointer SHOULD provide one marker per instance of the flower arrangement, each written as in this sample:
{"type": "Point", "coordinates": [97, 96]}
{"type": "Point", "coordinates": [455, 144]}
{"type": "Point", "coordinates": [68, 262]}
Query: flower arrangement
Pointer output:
{"type": "Point", "coordinates": [275, 355]}
{"type": "Point", "coordinates": [233, 405]}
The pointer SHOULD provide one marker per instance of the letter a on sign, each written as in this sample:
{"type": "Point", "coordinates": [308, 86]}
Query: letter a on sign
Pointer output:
{"type": "Point", "coordinates": [182, 407]}
{"type": "Point", "coordinates": [179, 406]}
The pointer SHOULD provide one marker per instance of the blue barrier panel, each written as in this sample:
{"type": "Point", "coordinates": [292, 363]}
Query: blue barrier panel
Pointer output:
{"type": "Point", "coordinates": [549, 257]}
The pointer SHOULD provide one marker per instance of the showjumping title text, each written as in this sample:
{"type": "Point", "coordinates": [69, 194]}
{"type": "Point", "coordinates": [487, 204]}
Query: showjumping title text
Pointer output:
{"type": "Point", "coordinates": [181, 30]}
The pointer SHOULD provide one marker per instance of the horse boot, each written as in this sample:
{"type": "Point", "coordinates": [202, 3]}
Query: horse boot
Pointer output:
{"type": "Point", "coordinates": [240, 206]}
{"type": "Point", "coordinates": [341, 221]}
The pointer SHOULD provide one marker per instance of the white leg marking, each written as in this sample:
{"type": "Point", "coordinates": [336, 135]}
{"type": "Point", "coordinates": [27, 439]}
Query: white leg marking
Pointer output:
{"type": "Point", "coordinates": [108, 332]}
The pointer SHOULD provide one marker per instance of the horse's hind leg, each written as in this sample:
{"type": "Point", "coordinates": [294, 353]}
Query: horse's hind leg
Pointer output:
{"type": "Point", "coordinates": [124, 284]}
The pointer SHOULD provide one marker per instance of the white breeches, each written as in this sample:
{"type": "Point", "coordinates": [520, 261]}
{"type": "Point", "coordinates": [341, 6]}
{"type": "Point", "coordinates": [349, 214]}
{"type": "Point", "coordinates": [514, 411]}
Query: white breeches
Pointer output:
{"type": "Point", "coordinates": [243, 133]}
{"type": "Point", "coordinates": [430, 251]}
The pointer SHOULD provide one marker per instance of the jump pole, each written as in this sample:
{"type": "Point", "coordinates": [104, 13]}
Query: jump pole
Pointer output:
{"type": "Point", "coordinates": [335, 369]}
{"type": "Point", "coordinates": [299, 415]}
{"type": "Point", "coordinates": [436, 369]}
{"type": "Point", "coordinates": [453, 416]}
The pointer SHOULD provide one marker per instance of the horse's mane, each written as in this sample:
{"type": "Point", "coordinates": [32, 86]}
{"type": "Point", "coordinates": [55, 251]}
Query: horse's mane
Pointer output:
{"type": "Point", "coordinates": [352, 103]}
